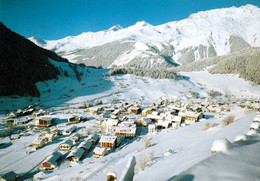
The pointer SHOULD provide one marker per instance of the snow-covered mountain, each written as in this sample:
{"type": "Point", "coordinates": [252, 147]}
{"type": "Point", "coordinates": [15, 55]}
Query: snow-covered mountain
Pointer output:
{"type": "Point", "coordinates": [201, 35]}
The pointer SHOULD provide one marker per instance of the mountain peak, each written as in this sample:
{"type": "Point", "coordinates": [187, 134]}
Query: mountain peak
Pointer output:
{"type": "Point", "coordinates": [115, 28]}
{"type": "Point", "coordinates": [142, 23]}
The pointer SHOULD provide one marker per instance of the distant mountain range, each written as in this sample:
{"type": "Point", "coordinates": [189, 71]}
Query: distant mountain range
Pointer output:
{"type": "Point", "coordinates": [202, 35]}
{"type": "Point", "coordinates": [22, 64]}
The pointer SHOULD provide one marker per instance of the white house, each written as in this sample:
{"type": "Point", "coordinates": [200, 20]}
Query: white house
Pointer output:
{"type": "Point", "coordinates": [151, 128]}
{"type": "Point", "coordinates": [108, 141]}
{"type": "Point", "coordinates": [99, 152]}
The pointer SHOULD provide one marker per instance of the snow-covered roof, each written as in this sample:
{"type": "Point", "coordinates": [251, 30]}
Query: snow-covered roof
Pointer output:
{"type": "Point", "coordinates": [68, 142]}
{"type": "Point", "coordinates": [52, 159]}
{"type": "Point", "coordinates": [99, 150]}
{"type": "Point", "coordinates": [78, 153]}
{"type": "Point", "coordinates": [222, 145]}
{"type": "Point", "coordinates": [86, 145]}
{"type": "Point", "coordinates": [112, 122]}
{"type": "Point", "coordinates": [126, 129]}
{"type": "Point", "coordinates": [241, 137]}
{"type": "Point", "coordinates": [108, 139]}
{"type": "Point", "coordinates": [151, 126]}
{"type": "Point", "coordinates": [255, 125]}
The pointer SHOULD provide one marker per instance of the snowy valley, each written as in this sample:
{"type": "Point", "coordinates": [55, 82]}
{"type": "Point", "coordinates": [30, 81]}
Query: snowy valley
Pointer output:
{"type": "Point", "coordinates": [90, 125]}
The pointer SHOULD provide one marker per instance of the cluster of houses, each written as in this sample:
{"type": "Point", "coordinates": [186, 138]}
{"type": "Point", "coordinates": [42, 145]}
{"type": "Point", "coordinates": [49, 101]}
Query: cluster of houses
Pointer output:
{"type": "Point", "coordinates": [118, 122]}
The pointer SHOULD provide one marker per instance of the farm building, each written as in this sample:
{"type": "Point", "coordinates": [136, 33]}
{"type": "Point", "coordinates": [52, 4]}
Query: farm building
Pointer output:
{"type": "Point", "coordinates": [65, 146]}
{"type": "Point", "coordinates": [43, 122]}
{"type": "Point", "coordinates": [51, 161]}
{"type": "Point", "coordinates": [76, 155]}
{"type": "Point", "coordinates": [99, 152]}
{"type": "Point", "coordinates": [108, 141]}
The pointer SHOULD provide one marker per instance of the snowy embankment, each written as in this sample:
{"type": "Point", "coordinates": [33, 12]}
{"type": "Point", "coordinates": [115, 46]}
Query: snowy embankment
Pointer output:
{"type": "Point", "coordinates": [170, 152]}
{"type": "Point", "coordinates": [240, 163]}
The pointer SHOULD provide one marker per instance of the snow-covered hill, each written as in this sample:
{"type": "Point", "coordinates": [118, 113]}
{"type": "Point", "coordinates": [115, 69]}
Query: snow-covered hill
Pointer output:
{"type": "Point", "coordinates": [202, 35]}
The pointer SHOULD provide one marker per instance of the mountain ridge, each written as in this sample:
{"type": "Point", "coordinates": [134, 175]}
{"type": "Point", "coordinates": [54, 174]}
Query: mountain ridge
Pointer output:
{"type": "Point", "coordinates": [202, 35]}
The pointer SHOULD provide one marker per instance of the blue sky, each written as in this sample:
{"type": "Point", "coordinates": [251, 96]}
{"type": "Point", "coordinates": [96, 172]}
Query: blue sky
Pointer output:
{"type": "Point", "coordinates": [55, 19]}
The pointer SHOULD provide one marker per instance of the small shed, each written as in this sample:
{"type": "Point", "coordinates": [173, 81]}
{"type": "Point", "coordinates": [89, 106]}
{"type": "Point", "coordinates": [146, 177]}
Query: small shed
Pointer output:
{"type": "Point", "coordinates": [221, 145]}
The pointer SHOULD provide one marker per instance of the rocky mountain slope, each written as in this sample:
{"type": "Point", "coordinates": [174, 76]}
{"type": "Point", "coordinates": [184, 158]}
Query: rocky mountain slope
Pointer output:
{"type": "Point", "coordinates": [202, 35]}
{"type": "Point", "coordinates": [22, 64]}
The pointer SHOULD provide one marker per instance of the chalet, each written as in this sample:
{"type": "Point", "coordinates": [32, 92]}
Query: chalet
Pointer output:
{"type": "Point", "coordinates": [49, 137]}
{"type": "Point", "coordinates": [94, 110]}
{"type": "Point", "coordinates": [174, 109]}
{"type": "Point", "coordinates": [128, 132]}
{"type": "Point", "coordinates": [45, 131]}
{"type": "Point", "coordinates": [113, 117]}
{"type": "Point", "coordinates": [76, 155]}
{"type": "Point", "coordinates": [178, 119]}
{"type": "Point", "coordinates": [56, 132]}
{"type": "Point", "coordinates": [94, 138]}
{"type": "Point", "coordinates": [151, 128]}
{"type": "Point", "coordinates": [66, 146]}
{"type": "Point", "coordinates": [86, 145]}
{"type": "Point", "coordinates": [75, 137]}
{"type": "Point", "coordinates": [110, 125]}
{"type": "Point", "coordinates": [175, 125]}
{"type": "Point", "coordinates": [191, 115]}
{"type": "Point", "coordinates": [51, 161]}
{"type": "Point", "coordinates": [99, 152]}
{"type": "Point", "coordinates": [116, 112]}
{"type": "Point", "coordinates": [146, 111]}
{"type": "Point", "coordinates": [154, 117]}
{"type": "Point", "coordinates": [108, 141]}
{"type": "Point", "coordinates": [41, 112]}
{"type": "Point", "coordinates": [8, 176]}
{"type": "Point", "coordinates": [69, 130]}
{"type": "Point", "coordinates": [73, 120]}
{"type": "Point", "coordinates": [109, 110]}
{"type": "Point", "coordinates": [134, 110]}
{"type": "Point", "coordinates": [39, 142]}
{"type": "Point", "coordinates": [43, 122]}
{"type": "Point", "coordinates": [144, 121]}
